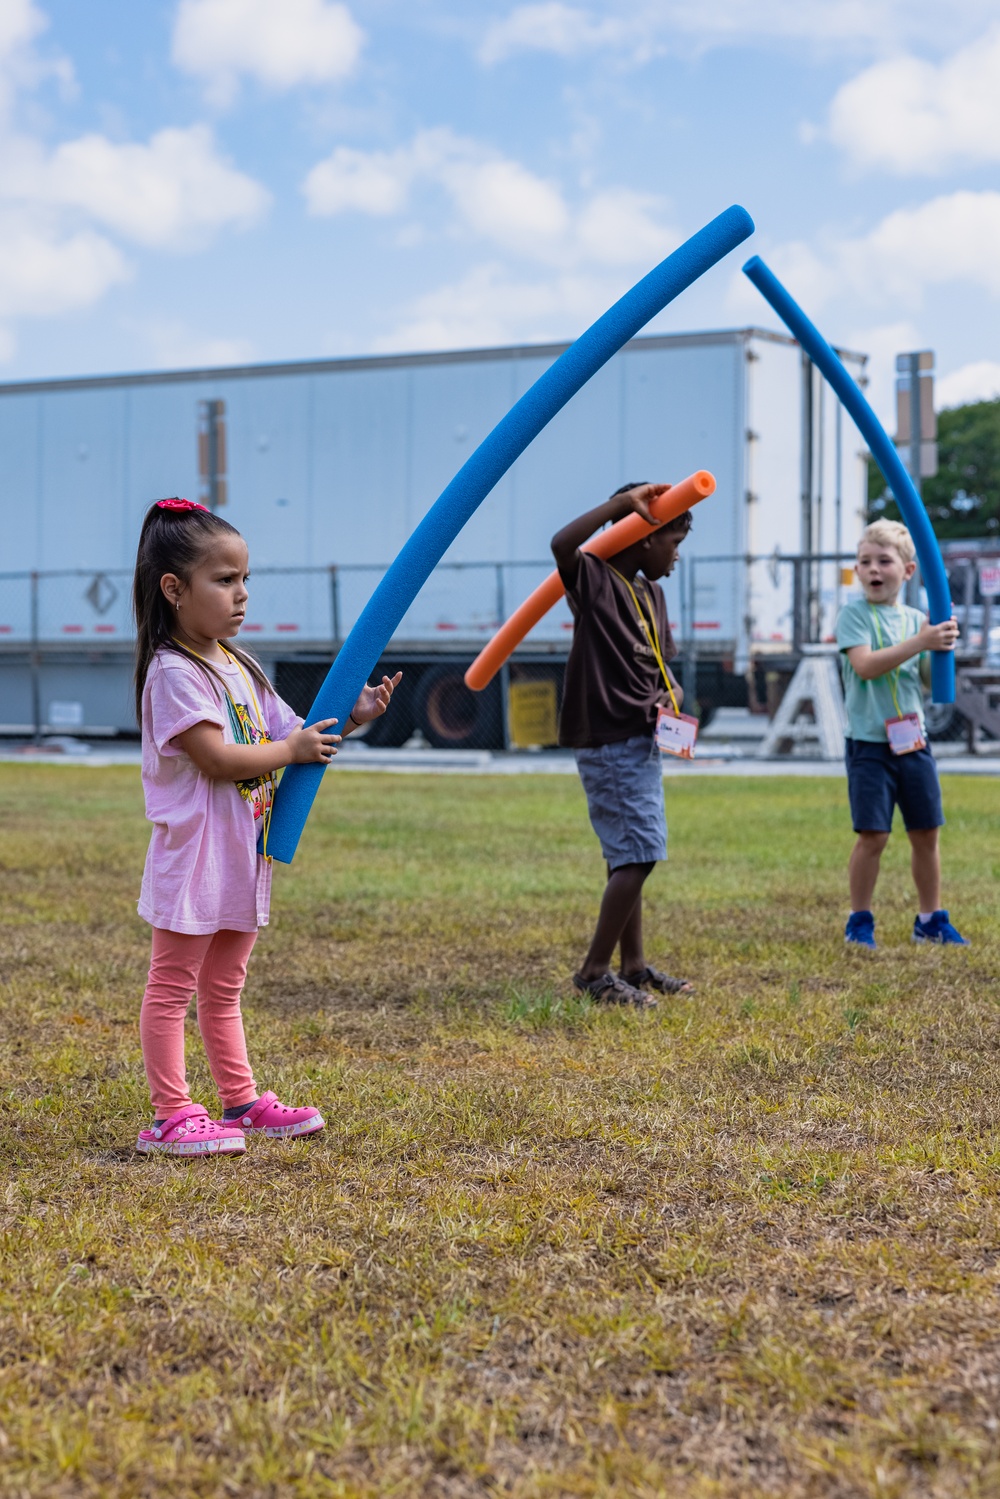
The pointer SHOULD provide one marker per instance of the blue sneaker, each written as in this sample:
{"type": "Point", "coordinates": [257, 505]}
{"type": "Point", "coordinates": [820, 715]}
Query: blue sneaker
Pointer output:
{"type": "Point", "coordinates": [860, 930]}
{"type": "Point", "coordinates": [939, 929]}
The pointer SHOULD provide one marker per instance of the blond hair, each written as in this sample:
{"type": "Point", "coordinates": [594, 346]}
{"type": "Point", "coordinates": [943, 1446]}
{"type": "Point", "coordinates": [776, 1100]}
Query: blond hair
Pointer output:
{"type": "Point", "coordinates": [890, 533]}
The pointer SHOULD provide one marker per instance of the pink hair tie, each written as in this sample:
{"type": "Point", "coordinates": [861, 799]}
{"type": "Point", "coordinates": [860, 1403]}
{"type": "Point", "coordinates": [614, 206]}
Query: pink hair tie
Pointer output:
{"type": "Point", "coordinates": [179, 505]}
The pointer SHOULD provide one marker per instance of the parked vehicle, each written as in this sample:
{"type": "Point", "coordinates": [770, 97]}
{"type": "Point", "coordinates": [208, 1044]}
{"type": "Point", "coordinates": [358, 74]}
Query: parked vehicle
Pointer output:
{"type": "Point", "coordinates": [327, 466]}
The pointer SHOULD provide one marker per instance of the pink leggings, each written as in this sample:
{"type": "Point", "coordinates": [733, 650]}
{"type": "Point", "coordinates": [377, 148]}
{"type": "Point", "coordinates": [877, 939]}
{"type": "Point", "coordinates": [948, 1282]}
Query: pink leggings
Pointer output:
{"type": "Point", "coordinates": [214, 966]}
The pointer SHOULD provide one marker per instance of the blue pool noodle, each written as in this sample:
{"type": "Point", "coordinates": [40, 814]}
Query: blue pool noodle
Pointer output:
{"type": "Point", "coordinates": [419, 556]}
{"type": "Point", "coordinates": [911, 507]}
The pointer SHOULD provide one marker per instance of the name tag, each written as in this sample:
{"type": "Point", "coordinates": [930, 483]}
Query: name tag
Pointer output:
{"type": "Point", "coordinates": [676, 733]}
{"type": "Point", "coordinates": [904, 734]}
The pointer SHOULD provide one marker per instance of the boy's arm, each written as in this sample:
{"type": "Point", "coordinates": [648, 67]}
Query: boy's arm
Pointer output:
{"type": "Point", "coordinates": [567, 542]}
{"type": "Point", "coordinates": [870, 664]}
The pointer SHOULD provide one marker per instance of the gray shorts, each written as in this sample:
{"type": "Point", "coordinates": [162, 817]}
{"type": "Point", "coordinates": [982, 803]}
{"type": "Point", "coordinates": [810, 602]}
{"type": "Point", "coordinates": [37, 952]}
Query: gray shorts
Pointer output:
{"type": "Point", "coordinates": [624, 786]}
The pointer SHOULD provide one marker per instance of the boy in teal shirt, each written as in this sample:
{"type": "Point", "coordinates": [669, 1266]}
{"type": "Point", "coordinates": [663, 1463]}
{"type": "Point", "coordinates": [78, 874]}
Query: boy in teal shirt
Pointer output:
{"type": "Point", "coordinates": [889, 763]}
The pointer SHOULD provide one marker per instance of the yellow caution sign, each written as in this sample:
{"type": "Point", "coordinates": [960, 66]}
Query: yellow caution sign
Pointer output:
{"type": "Point", "coordinates": [532, 714]}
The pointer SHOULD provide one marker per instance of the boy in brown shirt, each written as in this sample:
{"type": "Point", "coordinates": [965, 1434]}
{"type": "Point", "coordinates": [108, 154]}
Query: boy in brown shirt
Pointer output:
{"type": "Point", "coordinates": [613, 688]}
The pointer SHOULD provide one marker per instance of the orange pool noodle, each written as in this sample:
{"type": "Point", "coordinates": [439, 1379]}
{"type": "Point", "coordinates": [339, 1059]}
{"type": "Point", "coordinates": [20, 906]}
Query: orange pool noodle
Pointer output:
{"type": "Point", "coordinates": [616, 538]}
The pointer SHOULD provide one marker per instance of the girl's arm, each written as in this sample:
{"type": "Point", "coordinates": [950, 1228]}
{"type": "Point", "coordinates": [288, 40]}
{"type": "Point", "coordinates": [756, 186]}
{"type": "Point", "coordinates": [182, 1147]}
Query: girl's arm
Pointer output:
{"type": "Point", "coordinates": [204, 743]}
{"type": "Point", "coordinates": [567, 542]}
{"type": "Point", "coordinates": [372, 703]}
{"type": "Point", "coordinates": [870, 664]}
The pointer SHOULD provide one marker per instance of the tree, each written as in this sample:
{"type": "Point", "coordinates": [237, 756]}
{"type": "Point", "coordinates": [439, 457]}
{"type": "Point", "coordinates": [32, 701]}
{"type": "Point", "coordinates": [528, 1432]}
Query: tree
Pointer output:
{"type": "Point", "coordinates": [963, 498]}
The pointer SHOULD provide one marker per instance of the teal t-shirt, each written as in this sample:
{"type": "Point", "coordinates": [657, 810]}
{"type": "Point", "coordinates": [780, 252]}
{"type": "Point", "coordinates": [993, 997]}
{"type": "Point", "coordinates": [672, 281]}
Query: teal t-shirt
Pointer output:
{"type": "Point", "coordinates": [869, 704]}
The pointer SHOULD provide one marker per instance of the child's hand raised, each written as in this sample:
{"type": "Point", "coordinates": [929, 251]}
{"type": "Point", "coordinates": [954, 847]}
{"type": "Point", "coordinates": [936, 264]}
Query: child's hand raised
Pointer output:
{"type": "Point", "coordinates": [638, 500]}
{"type": "Point", "coordinates": [373, 701]}
{"type": "Point", "coordinates": [312, 743]}
{"type": "Point", "coordinates": [942, 637]}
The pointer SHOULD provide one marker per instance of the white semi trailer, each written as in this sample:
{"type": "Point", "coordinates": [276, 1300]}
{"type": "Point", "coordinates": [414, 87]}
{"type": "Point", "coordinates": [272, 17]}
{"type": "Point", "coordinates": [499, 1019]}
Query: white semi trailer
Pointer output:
{"type": "Point", "coordinates": [327, 466]}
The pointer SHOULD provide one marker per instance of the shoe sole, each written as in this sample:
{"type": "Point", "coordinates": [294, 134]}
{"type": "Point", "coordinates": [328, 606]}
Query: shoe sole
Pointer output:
{"type": "Point", "coordinates": [290, 1131]}
{"type": "Point", "coordinates": [868, 947]}
{"type": "Point", "coordinates": [936, 942]}
{"type": "Point", "coordinates": [202, 1147]}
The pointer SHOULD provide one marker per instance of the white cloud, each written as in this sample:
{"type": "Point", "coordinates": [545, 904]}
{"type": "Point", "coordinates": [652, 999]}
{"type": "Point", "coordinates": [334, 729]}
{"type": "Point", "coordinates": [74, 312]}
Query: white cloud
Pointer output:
{"type": "Point", "coordinates": [979, 381]}
{"type": "Point", "coordinates": [909, 116]}
{"type": "Point", "coordinates": [280, 43]}
{"type": "Point", "coordinates": [176, 346]}
{"type": "Point", "coordinates": [490, 306]}
{"type": "Point", "coordinates": [953, 238]}
{"type": "Point", "coordinates": [172, 193]}
{"type": "Point", "coordinates": [21, 22]}
{"type": "Point", "coordinates": [375, 182]}
{"type": "Point", "coordinates": [882, 342]}
{"type": "Point", "coordinates": [617, 227]}
{"type": "Point", "coordinates": [63, 208]}
{"type": "Point", "coordinates": [45, 270]}
{"type": "Point", "coordinates": [550, 27]}
{"type": "Point", "coordinates": [502, 201]}
{"type": "Point", "coordinates": [493, 198]}
{"type": "Point", "coordinates": [643, 28]}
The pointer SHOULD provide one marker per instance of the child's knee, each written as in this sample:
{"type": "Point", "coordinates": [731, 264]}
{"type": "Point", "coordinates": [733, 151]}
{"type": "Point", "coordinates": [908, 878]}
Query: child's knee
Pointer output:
{"type": "Point", "coordinates": [872, 842]}
{"type": "Point", "coordinates": [923, 837]}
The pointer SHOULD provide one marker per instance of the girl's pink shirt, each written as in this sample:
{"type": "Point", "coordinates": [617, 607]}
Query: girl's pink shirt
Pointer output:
{"type": "Point", "coordinates": [203, 873]}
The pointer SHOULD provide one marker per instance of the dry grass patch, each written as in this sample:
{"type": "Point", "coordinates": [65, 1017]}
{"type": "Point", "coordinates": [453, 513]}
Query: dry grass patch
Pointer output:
{"type": "Point", "coordinates": [749, 1246]}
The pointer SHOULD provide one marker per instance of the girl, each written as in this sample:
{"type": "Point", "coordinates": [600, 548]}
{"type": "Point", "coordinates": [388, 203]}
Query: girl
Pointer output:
{"type": "Point", "coordinates": [213, 735]}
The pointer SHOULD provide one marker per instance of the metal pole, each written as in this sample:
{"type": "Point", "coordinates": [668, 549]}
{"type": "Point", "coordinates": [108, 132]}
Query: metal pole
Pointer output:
{"type": "Point", "coordinates": [335, 606]}
{"type": "Point", "coordinates": [806, 547]}
{"type": "Point", "coordinates": [912, 591]}
{"type": "Point", "coordinates": [505, 669]}
{"type": "Point", "coordinates": [838, 500]}
{"type": "Point", "coordinates": [690, 681]}
{"type": "Point", "coordinates": [36, 662]}
{"type": "Point", "coordinates": [820, 460]}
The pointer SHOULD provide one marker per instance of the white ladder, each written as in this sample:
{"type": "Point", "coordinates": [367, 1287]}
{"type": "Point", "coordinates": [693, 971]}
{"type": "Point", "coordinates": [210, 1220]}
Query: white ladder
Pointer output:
{"type": "Point", "coordinates": [811, 711]}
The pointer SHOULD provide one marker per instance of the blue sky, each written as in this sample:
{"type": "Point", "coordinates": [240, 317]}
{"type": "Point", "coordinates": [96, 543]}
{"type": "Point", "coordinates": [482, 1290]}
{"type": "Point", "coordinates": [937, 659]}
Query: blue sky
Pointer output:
{"type": "Point", "coordinates": [214, 181]}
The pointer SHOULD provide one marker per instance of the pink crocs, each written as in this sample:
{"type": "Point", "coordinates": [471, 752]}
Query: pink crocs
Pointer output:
{"type": "Point", "coordinates": [278, 1122]}
{"type": "Point", "coordinates": [191, 1132]}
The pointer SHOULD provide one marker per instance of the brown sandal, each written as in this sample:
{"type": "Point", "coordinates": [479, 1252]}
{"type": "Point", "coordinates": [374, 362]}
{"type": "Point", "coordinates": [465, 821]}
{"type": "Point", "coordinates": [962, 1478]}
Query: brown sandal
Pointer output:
{"type": "Point", "coordinates": [663, 983]}
{"type": "Point", "coordinates": [610, 989]}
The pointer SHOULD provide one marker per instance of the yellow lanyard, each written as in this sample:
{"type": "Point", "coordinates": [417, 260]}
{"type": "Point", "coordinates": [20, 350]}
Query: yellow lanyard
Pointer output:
{"type": "Point", "coordinates": [653, 638]}
{"type": "Point", "coordinates": [269, 779]}
{"type": "Point", "coordinates": [894, 674]}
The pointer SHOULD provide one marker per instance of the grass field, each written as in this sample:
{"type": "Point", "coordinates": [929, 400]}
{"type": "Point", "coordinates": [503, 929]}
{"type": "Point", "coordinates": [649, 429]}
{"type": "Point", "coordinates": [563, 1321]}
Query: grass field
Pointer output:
{"type": "Point", "coordinates": [747, 1246]}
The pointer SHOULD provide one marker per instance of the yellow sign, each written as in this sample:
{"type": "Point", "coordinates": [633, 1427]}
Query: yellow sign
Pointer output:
{"type": "Point", "coordinates": [847, 577]}
{"type": "Point", "coordinates": [532, 713]}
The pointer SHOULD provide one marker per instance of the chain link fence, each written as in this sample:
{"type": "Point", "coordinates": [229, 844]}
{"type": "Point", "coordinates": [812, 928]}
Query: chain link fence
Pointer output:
{"type": "Point", "coordinates": [739, 623]}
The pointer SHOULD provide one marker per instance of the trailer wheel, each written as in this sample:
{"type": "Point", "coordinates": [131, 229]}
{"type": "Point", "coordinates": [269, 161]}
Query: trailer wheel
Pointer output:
{"type": "Point", "coordinates": [451, 716]}
{"type": "Point", "coordinates": [944, 721]}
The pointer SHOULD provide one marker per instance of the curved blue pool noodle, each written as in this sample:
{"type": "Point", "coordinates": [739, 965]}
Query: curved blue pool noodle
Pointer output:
{"type": "Point", "coordinates": [419, 556]}
{"type": "Point", "coordinates": [911, 507]}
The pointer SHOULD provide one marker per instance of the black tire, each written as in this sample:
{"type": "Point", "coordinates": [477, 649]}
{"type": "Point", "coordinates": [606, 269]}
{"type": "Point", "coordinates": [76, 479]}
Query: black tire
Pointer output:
{"type": "Point", "coordinates": [398, 722]}
{"type": "Point", "coordinates": [944, 722]}
{"type": "Point", "coordinates": [451, 716]}
{"type": "Point", "coordinates": [706, 712]}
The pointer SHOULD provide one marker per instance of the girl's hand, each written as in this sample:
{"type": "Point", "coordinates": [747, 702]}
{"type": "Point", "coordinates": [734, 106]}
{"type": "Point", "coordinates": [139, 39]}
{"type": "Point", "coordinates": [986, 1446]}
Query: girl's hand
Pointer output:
{"type": "Point", "coordinates": [373, 701]}
{"type": "Point", "coordinates": [312, 743]}
{"type": "Point", "coordinates": [942, 637]}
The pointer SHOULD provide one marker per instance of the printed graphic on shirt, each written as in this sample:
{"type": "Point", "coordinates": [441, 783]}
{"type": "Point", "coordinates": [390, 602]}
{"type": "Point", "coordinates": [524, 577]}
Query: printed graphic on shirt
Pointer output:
{"type": "Point", "coordinates": [259, 792]}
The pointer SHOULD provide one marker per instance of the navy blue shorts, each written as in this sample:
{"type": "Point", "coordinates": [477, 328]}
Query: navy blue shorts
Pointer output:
{"type": "Point", "coordinates": [624, 786]}
{"type": "Point", "coordinates": [879, 781]}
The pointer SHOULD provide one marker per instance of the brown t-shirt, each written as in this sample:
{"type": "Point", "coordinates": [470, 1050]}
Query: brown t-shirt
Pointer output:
{"type": "Point", "coordinates": [613, 686]}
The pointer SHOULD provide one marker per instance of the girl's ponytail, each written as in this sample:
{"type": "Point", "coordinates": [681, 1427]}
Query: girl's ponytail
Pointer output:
{"type": "Point", "coordinates": [175, 534]}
